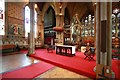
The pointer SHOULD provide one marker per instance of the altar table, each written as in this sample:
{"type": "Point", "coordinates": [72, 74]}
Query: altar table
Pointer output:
{"type": "Point", "coordinates": [65, 50]}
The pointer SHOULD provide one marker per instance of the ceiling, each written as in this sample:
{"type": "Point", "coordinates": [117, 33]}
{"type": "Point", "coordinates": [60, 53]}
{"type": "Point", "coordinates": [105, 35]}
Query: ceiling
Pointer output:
{"type": "Point", "coordinates": [80, 8]}
{"type": "Point", "coordinates": [40, 5]}
{"type": "Point", "coordinates": [83, 9]}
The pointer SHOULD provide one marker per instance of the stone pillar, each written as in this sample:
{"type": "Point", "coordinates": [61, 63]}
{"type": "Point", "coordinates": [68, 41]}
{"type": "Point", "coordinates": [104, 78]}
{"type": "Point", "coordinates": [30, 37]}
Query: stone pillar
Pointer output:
{"type": "Point", "coordinates": [31, 48]}
{"type": "Point", "coordinates": [94, 5]}
{"type": "Point", "coordinates": [41, 28]}
{"type": "Point", "coordinates": [109, 34]}
{"type": "Point", "coordinates": [59, 23]}
{"type": "Point", "coordinates": [62, 25]}
{"type": "Point", "coordinates": [97, 33]}
{"type": "Point", "coordinates": [6, 18]}
{"type": "Point", "coordinates": [42, 32]}
{"type": "Point", "coordinates": [104, 39]}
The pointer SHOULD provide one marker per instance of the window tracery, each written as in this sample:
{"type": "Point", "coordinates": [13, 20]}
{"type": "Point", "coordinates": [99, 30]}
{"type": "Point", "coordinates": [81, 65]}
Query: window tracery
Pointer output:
{"type": "Point", "coordinates": [27, 21]}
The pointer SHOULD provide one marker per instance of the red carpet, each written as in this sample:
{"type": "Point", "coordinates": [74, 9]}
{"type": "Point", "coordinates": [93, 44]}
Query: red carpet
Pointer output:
{"type": "Point", "coordinates": [24, 51]}
{"type": "Point", "coordinates": [28, 72]}
{"type": "Point", "coordinates": [76, 63]}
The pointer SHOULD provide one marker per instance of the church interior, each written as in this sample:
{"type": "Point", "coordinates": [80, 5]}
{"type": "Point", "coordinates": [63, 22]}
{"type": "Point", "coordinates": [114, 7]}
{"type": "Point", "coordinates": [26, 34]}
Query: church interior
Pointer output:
{"type": "Point", "coordinates": [79, 40]}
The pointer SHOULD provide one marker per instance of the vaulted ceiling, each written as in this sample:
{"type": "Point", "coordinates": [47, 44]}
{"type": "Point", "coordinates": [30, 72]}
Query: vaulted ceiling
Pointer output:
{"type": "Point", "coordinates": [40, 5]}
{"type": "Point", "coordinates": [83, 9]}
{"type": "Point", "coordinates": [80, 8]}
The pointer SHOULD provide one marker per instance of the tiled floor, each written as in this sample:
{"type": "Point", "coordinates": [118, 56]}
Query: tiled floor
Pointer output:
{"type": "Point", "coordinates": [58, 72]}
{"type": "Point", "coordinates": [12, 62]}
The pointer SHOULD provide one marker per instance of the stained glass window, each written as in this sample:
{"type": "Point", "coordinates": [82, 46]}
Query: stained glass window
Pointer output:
{"type": "Point", "coordinates": [118, 16]}
{"type": "Point", "coordinates": [113, 27]}
{"type": "Point", "coordinates": [88, 26]}
{"type": "Point", "coordinates": [116, 23]}
{"type": "Point", "coordinates": [2, 17]}
{"type": "Point", "coordinates": [35, 17]}
{"type": "Point", "coordinates": [27, 21]}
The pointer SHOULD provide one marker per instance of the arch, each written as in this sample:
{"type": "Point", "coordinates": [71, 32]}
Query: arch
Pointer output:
{"type": "Point", "coordinates": [27, 20]}
{"type": "Point", "coordinates": [26, 4]}
{"type": "Point", "coordinates": [66, 17]}
{"type": "Point", "coordinates": [49, 17]}
{"type": "Point", "coordinates": [45, 8]}
{"type": "Point", "coordinates": [64, 4]}
{"type": "Point", "coordinates": [49, 23]}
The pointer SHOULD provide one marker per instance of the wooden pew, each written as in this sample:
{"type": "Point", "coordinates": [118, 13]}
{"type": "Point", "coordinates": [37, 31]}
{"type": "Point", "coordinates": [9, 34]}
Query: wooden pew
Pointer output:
{"type": "Point", "coordinates": [7, 48]}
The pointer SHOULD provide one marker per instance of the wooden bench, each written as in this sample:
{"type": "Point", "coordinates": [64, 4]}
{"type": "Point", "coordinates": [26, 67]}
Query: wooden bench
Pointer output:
{"type": "Point", "coordinates": [7, 48]}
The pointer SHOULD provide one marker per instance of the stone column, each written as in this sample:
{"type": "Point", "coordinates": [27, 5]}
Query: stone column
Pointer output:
{"type": "Point", "coordinates": [57, 33]}
{"type": "Point", "coordinates": [41, 28]}
{"type": "Point", "coordinates": [97, 33]}
{"type": "Point", "coordinates": [62, 25]}
{"type": "Point", "coordinates": [42, 32]}
{"type": "Point", "coordinates": [31, 37]}
{"type": "Point", "coordinates": [104, 39]}
{"type": "Point", "coordinates": [94, 5]}
{"type": "Point", "coordinates": [109, 34]}
{"type": "Point", "coordinates": [6, 18]}
{"type": "Point", "coordinates": [59, 23]}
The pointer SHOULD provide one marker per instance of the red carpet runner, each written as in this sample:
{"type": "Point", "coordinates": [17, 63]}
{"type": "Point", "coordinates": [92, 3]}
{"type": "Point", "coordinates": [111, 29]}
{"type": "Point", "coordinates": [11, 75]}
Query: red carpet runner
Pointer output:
{"type": "Point", "coordinates": [28, 72]}
{"type": "Point", "coordinates": [76, 63]}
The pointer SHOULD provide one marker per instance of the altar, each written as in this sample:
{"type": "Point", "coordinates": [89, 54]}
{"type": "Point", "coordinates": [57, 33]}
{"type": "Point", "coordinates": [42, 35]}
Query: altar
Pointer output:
{"type": "Point", "coordinates": [65, 50]}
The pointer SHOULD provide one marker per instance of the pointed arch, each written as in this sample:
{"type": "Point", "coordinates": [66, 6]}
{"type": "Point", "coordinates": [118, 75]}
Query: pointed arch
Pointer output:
{"type": "Point", "coordinates": [27, 20]}
{"type": "Point", "coordinates": [49, 23]}
{"type": "Point", "coordinates": [45, 8]}
{"type": "Point", "coordinates": [49, 18]}
{"type": "Point", "coordinates": [66, 17]}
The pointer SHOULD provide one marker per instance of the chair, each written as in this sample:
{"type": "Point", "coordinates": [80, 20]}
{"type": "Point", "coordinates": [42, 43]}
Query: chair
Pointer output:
{"type": "Point", "coordinates": [90, 54]}
{"type": "Point", "coordinates": [50, 48]}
